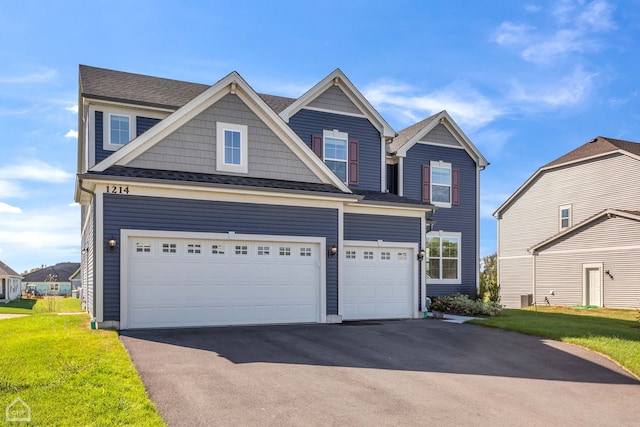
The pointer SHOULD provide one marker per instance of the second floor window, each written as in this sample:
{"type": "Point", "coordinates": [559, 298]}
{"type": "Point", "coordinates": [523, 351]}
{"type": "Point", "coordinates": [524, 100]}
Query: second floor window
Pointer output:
{"type": "Point", "coordinates": [441, 182]}
{"type": "Point", "coordinates": [335, 155]}
{"type": "Point", "coordinates": [119, 129]}
{"type": "Point", "coordinates": [232, 147]}
{"type": "Point", "coordinates": [565, 216]}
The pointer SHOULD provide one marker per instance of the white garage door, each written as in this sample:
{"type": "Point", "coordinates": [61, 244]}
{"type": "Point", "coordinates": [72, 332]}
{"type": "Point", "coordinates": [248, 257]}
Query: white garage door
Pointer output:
{"type": "Point", "coordinates": [378, 282]}
{"type": "Point", "coordinates": [188, 282]}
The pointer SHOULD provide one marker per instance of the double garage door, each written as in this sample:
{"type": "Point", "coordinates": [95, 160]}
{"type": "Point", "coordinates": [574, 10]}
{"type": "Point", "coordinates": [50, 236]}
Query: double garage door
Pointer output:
{"type": "Point", "coordinates": [178, 282]}
{"type": "Point", "coordinates": [175, 282]}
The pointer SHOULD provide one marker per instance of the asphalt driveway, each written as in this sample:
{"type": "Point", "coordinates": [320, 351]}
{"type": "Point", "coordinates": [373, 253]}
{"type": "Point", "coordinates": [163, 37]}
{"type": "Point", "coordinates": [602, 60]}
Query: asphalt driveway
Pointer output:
{"type": "Point", "coordinates": [409, 372]}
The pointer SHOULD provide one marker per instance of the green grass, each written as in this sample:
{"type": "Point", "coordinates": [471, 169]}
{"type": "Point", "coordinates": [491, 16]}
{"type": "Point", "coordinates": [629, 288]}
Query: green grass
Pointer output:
{"type": "Point", "coordinates": [614, 333]}
{"type": "Point", "coordinates": [42, 305]}
{"type": "Point", "coordinates": [67, 373]}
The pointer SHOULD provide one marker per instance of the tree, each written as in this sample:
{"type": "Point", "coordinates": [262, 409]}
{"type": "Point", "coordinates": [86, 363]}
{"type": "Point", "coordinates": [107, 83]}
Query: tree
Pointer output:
{"type": "Point", "coordinates": [489, 287]}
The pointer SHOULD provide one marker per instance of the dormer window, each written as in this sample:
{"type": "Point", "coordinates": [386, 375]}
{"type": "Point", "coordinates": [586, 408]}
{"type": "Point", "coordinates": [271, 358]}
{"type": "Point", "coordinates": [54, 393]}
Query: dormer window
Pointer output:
{"type": "Point", "coordinates": [119, 129]}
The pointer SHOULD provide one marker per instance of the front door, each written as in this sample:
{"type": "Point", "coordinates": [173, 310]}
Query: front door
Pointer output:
{"type": "Point", "coordinates": [593, 285]}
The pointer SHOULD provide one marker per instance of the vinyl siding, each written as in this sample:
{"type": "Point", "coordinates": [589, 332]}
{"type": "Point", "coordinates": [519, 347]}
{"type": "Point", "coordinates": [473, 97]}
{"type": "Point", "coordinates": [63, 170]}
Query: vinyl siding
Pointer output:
{"type": "Point", "coordinates": [335, 99]}
{"type": "Point", "coordinates": [460, 218]}
{"type": "Point", "coordinates": [589, 187]}
{"type": "Point", "coordinates": [192, 148]}
{"type": "Point", "coordinates": [307, 123]}
{"type": "Point", "coordinates": [559, 265]}
{"type": "Point", "coordinates": [441, 135]}
{"type": "Point", "coordinates": [515, 276]}
{"type": "Point", "coordinates": [153, 213]}
{"type": "Point", "coordinates": [143, 124]}
{"type": "Point", "coordinates": [381, 227]}
{"type": "Point", "coordinates": [101, 154]}
{"type": "Point", "coordinates": [87, 261]}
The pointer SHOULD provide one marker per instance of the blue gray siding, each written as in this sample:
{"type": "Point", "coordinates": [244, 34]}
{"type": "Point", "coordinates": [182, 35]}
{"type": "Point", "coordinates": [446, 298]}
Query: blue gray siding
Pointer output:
{"type": "Point", "coordinates": [381, 227]}
{"type": "Point", "coordinates": [155, 213]}
{"type": "Point", "coordinates": [87, 260]}
{"type": "Point", "coordinates": [143, 124]}
{"type": "Point", "coordinates": [307, 123]}
{"type": "Point", "coordinates": [461, 218]}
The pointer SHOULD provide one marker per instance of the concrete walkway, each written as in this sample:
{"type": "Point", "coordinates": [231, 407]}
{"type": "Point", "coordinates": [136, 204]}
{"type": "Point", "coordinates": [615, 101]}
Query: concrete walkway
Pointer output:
{"type": "Point", "coordinates": [11, 316]}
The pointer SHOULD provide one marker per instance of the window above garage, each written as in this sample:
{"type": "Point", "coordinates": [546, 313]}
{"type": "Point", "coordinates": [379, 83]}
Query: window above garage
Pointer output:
{"type": "Point", "coordinates": [232, 148]}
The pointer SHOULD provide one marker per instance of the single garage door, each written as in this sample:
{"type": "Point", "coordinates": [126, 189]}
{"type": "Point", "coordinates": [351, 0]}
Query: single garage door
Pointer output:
{"type": "Point", "coordinates": [378, 282]}
{"type": "Point", "coordinates": [189, 282]}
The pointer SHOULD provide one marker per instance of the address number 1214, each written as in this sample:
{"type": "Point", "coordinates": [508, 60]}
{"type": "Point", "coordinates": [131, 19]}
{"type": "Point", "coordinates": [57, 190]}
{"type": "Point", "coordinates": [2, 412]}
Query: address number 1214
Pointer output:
{"type": "Point", "coordinates": [117, 189]}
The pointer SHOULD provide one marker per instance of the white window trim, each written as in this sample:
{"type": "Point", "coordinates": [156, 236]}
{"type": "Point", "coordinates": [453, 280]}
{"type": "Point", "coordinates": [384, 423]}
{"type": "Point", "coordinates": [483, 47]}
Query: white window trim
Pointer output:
{"type": "Point", "coordinates": [335, 133]}
{"type": "Point", "coordinates": [106, 128]}
{"type": "Point", "coordinates": [442, 234]}
{"type": "Point", "coordinates": [442, 165]}
{"type": "Point", "coordinates": [221, 166]}
{"type": "Point", "coordinates": [560, 209]}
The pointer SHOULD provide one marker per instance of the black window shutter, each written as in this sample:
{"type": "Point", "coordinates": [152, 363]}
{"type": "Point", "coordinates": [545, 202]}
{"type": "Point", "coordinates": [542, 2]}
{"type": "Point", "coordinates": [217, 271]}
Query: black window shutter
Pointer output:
{"type": "Point", "coordinates": [455, 186]}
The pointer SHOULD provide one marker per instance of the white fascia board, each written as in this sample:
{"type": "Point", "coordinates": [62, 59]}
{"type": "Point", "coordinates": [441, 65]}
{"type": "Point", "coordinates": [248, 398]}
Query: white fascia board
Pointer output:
{"type": "Point", "coordinates": [337, 77]}
{"type": "Point", "coordinates": [498, 213]}
{"type": "Point", "coordinates": [372, 209]}
{"type": "Point", "coordinates": [445, 119]}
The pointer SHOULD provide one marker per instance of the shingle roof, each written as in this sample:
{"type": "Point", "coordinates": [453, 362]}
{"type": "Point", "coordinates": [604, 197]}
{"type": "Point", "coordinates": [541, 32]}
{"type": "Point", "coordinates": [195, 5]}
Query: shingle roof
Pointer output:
{"type": "Point", "coordinates": [407, 133]}
{"type": "Point", "coordinates": [389, 198]}
{"type": "Point", "coordinates": [5, 270]}
{"type": "Point", "coordinates": [62, 271]}
{"type": "Point", "coordinates": [231, 180]}
{"type": "Point", "coordinates": [599, 145]}
{"type": "Point", "coordinates": [120, 86]}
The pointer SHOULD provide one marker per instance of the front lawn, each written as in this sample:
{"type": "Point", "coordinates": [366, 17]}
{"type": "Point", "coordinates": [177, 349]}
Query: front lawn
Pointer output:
{"type": "Point", "coordinates": [67, 373]}
{"type": "Point", "coordinates": [614, 333]}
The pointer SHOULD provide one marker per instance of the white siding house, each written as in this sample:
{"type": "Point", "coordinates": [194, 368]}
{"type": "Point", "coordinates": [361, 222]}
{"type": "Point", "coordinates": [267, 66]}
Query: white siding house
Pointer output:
{"type": "Point", "coordinates": [570, 234]}
{"type": "Point", "coordinates": [9, 283]}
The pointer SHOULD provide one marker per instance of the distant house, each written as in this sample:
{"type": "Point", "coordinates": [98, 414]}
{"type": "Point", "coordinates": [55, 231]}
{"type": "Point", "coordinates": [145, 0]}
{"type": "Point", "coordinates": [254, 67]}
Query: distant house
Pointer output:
{"type": "Point", "coordinates": [570, 234]}
{"type": "Point", "coordinates": [52, 280]}
{"type": "Point", "coordinates": [9, 283]}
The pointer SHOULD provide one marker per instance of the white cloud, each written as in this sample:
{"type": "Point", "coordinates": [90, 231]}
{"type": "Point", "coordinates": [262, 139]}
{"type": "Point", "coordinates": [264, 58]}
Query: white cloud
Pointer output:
{"type": "Point", "coordinates": [6, 208]}
{"type": "Point", "coordinates": [532, 8]}
{"type": "Point", "coordinates": [74, 204]}
{"type": "Point", "coordinates": [38, 77]}
{"type": "Point", "coordinates": [9, 189]}
{"type": "Point", "coordinates": [491, 141]}
{"type": "Point", "coordinates": [577, 25]}
{"type": "Point", "coordinates": [509, 33]}
{"type": "Point", "coordinates": [467, 106]}
{"type": "Point", "coordinates": [41, 228]}
{"type": "Point", "coordinates": [71, 134]}
{"type": "Point", "coordinates": [72, 108]}
{"type": "Point", "coordinates": [34, 170]}
{"type": "Point", "coordinates": [569, 90]}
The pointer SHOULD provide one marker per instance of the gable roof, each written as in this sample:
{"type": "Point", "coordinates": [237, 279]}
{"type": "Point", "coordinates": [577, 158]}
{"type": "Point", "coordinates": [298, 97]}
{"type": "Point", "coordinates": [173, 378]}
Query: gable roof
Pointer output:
{"type": "Point", "coordinates": [62, 271]}
{"type": "Point", "coordinates": [149, 91]}
{"type": "Point", "coordinates": [410, 136]}
{"type": "Point", "coordinates": [5, 270]}
{"type": "Point", "coordinates": [233, 84]}
{"type": "Point", "coordinates": [338, 78]}
{"type": "Point", "coordinates": [633, 215]}
{"type": "Point", "coordinates": [596, 148]}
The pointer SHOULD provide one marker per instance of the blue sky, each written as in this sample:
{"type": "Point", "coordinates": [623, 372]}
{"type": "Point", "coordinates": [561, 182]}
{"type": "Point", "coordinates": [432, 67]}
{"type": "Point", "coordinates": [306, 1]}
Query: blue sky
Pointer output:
{"type": "Point", "coordinates": [526, 81]}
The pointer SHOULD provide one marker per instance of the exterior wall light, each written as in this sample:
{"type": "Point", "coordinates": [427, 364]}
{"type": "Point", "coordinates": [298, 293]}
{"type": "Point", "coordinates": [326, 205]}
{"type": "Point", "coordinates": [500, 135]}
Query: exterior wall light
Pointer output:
{"type": "Point", "coordinates": [333, 251]}
{"type": "Point", "coordinates": [421, 254]}
{"type": "Point", "coordinates": [112, 244]}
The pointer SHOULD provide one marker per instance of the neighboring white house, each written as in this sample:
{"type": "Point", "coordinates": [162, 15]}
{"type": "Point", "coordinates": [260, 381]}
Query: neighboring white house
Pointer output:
{"type": "Point", "coordinates": [9, 283]}
{"type": "Point", "coordinates": [570, 235]}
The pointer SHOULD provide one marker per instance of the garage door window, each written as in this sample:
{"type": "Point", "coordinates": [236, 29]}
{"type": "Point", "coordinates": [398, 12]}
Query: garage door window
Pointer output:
{"type": "Point", "coordinates": [194, 248]}
{"type": "Point", "coordinates": [143, 248]}
{"type": "Point", "coordinates": [350, 255]}
{"type": "Point", "coordinates": [368, 254]}
{"type": "Point", "coordinates": [242, 250]}
{"type": "Point", "coordinates": [217, 249]}
{"type": "Point", "coordinates": [385, 256]}
{"type": "Point", "coordinates": [169, 248]}
{"type": "Point", "coordinates": [285, 251]}
{"type": "Point", "coordinates": [305, 251]}
{"type": "Point", "coordinates": [263, 250]}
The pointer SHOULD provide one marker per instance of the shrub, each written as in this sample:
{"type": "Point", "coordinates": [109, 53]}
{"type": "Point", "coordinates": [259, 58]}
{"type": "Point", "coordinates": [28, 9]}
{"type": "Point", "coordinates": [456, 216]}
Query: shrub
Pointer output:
{"type": "Point", "coordinates": [463, 305]}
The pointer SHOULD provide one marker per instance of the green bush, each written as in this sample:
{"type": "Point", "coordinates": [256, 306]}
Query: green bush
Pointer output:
{"type": "Point", "coordinates": [463, 305]}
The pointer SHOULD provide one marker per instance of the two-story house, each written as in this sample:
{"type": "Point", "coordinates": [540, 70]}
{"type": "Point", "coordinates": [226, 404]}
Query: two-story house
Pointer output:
{"type": "Point", "coordinates": [569, 235]}
{"type": "Point", "coordinates": [216, 205]}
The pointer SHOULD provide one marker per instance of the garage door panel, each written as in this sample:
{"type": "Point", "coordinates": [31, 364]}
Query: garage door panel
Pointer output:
{"type": "Point", "coordinates": [250, 283]}
{"type": "Point", "coordinates": [378, 283]}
